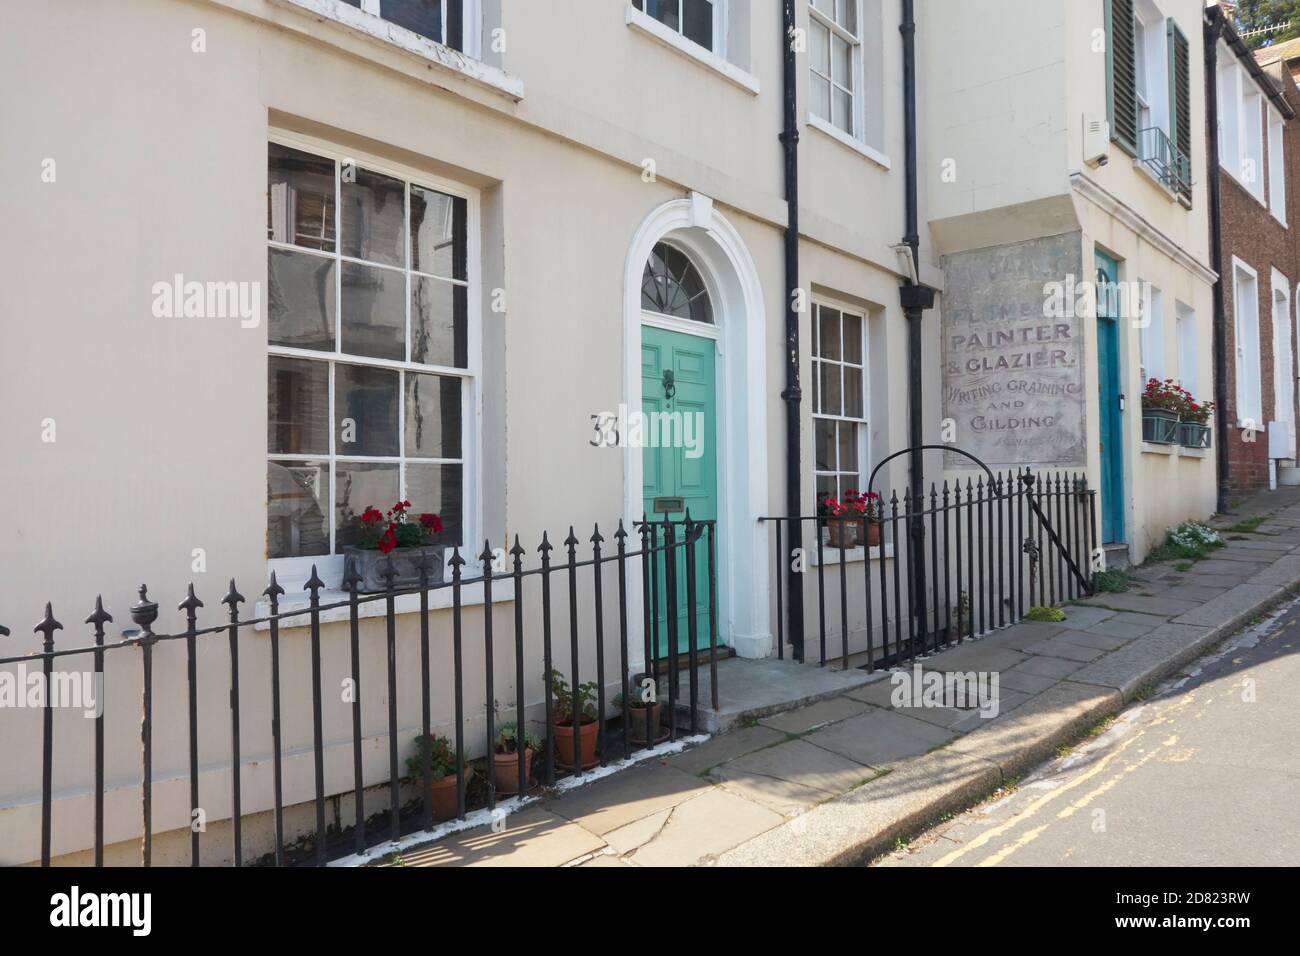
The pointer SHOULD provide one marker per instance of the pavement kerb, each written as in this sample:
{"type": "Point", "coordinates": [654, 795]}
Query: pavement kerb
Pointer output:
{"type": "Point", "coordinates": [858, 826]}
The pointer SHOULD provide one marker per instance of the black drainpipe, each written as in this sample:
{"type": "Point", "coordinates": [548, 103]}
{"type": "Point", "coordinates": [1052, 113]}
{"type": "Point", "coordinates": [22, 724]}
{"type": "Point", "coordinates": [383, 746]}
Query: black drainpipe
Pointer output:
{"type": "Point", "coordinates": [1213, 32]}
{"type": "Point", "coordinates": [915, 299]}
{"type": "Point", "coordinates": [792, 393]}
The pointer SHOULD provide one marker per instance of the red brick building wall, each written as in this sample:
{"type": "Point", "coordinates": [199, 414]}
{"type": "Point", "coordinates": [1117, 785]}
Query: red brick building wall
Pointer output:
{"type": "Point", "coordinates": [1252, 234]}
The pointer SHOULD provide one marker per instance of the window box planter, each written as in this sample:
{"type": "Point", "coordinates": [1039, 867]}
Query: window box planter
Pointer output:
{"type": "Point", "coordinates": [847, 533]}
{"type": "Point", "coordinates": [1193, 435]}
{"type": "Point", "coordinates": [1160, 425]}
{"type": "Point", "coordinates": [371, 566]}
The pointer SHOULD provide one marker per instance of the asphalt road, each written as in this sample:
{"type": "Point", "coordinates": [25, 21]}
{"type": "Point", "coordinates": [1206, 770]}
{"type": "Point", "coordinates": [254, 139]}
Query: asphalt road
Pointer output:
{"type": "Point", "coordinates": [1206, 772]}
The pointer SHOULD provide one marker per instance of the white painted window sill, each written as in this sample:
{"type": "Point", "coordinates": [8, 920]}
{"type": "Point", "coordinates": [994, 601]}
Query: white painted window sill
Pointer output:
{"type": "Point", "coordinates": [848, 142]}
{"type": "Point", "coordinates": [444, 58]}
{"type": "Point", "coordinates": [670, 38]}
{"type": "Point", "coordinates": [832, 556]}
{"type": "Point", "coordinates": [1173, 451]}
{"type": "Point", "coordinates": [471, 594]}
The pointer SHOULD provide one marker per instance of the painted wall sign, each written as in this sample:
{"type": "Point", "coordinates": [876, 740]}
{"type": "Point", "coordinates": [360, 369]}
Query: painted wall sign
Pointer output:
{"type": "Point", "coordinates": [1013, 356]}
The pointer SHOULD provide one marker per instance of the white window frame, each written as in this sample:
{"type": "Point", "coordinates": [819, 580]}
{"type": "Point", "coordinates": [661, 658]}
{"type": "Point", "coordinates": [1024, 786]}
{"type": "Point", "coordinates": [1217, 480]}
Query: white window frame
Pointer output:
{"type": "Point", "coordinates": [719, 48]}
{"type": "Point", "coordinates": [1229, 111]}
{"type": "Point", "coordinates": [1284, 377]}
{"type": "Point", "coordinates": [856, 92]}
{"type": "Point", "coordinates": [680, 44]}
{"type": "Point", "coordinates": [1151, 335]}
{"type": "Point", "coordinates": [1185, 332]}
{"type": "Point", "coordinates": [292, 571]}
{"type": "Point", "coordinates": [1276, 164]}
{"type": "Point", "coordinates": [1252, 153]}
{"type": "Point", "coordinates": [864, 423]}
{"type": "Point", "coordinates": [1245, 340]}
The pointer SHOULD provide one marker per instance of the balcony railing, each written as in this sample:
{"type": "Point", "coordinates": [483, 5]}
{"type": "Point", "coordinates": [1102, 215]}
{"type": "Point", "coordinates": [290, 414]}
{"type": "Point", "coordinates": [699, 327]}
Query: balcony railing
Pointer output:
{"type": "Point", "coordinates": [1166, 161]}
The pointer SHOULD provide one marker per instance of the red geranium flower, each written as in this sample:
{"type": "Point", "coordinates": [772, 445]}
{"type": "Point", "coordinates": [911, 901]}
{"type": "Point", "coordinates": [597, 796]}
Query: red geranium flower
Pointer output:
{"type": "Point", "coordinates": [431, 523]}
{"type": "Point", "coordinates": [388, 541]}
{"type": "Point", "coordinates": [371, 515]}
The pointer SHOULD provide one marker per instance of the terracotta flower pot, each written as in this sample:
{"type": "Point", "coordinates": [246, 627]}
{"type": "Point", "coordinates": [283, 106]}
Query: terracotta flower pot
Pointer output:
{"type": "Point", "coordinates": [507, 770]}
{"type": "Point", "coordinates": [873, 534]}
{"type": "Point", "coordinates": [587, 744]}
{"type": "Point", "coordinates": [634, 718]}
{"type": "Point", "coordinates": [444, 796]}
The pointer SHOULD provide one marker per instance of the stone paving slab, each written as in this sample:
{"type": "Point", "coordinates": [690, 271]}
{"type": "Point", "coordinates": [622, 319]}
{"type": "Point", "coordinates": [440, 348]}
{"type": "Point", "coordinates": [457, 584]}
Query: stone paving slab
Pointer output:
{"type": "Point", "coordinates": [1019, 636]}
{"type": "Point", "coordinates": [1032, 732]}
{"type": "Point", "coordinates": [627, 796]}
{"type": "Point", "coordinates": [532, 837]}
{"type": "Point", "coordinates": [1065, 648]}
{"type": "Point", "coordinates": [720, 749]}
{"type": "Point", "coordinates": [1083, 616]}
{"type": "Point", "coordinates": [710, 824]}
{"type": "Point", "coordinates": [1053, 667]}
{"type": "Point", "coordinates": [880, 738]}
{"type": "Point", "coordinates": [1136, 665]}
{"type": "Point", "coordinates": [1195, 592]}
{"type": "Point", "coordinates": [1228, 606]}
{"type": "Point", "coordinates": [1024, 681]}
{"type": "Point", "coordinates": [1129, 601]}
{"type": "Point", "coordinates": [856, 826]}
{"type": "Point", "coordinates": [801, 762]}
{"type": "Point", "coordinates": [1101, 641]}
{"type": "Point", "coordinates": [978, 655]}
{"type": "Point", "coordinates": [1284, 571]}
{"type": "Point", "coordinates": [804, 719]}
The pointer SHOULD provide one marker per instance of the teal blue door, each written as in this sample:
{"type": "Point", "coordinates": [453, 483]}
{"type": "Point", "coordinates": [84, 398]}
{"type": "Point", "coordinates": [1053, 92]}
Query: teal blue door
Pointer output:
{"type": "Point", "coordinates": [680, 459]}
{"type": "Point", "coordinates": [1108, 397]}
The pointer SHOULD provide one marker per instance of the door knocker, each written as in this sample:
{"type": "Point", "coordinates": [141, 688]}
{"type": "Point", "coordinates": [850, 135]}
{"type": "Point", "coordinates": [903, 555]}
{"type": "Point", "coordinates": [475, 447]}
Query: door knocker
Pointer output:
{"type": "Point", "coordinates": [670, 387]}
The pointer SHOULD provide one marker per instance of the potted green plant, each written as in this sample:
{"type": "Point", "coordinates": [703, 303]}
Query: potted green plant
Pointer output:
{"type": "Point", "coordinates": [643, 703]}
{"type": "Point", "coordinates": [442, 769]}
{"type": "Point", "coordinates": [852, 522]}
{"type": "Point", "coordinates": [567, 703]}
{"type": "Point", "coordinates": [398, 536]}
{"type": "Point", "coordinates": [505, 757]}
{"type": "Point", "coordinates": [1163, 403]}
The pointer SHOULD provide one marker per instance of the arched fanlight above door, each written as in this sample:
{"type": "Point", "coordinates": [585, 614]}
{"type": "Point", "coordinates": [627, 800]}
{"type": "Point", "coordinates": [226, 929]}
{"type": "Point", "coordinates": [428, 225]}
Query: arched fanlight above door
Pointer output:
{"type": "Point", "coordinates": [671, 285]}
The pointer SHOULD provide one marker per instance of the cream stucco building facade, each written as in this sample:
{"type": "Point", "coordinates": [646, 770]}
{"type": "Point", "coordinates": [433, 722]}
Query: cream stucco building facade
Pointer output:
{"type": "Point", "coordinates": [564, 146]}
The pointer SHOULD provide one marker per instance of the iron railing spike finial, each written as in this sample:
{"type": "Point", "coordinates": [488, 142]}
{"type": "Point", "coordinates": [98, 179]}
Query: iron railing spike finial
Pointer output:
{"type": "Point", "coordinates": [621, 533]}
{"type": "Point", "coordinates": [99, 617]}
{"type": "Point", "coordinates": [191, 602]}
{"type": "Point", "coordinates": [457, 559]}
{"type": "Point", "coordinates": [518, 549]}
{"type": "Point", "coordinates": [572, 539]}
{"type": "Point", "coordinates": [233, 597]}
{"type": "Point", "coordinates": [47, 626]}
{"type": "Point", "coordinates": [596, 536]}
{"type": "Point", "coordinates": [486, 555]}
{"type": "Point", "coordinates": [313, 583]}
{"type": "Point", "coordinates": [273, 590]}
{"type": "Point", "coordinates": [545, 547]}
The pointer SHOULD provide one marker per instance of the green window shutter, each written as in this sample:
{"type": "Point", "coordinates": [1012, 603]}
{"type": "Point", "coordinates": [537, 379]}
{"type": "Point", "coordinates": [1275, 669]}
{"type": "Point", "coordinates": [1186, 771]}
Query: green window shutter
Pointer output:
{"type": "Point", "coordinates": [1180, 111]}
{"type": "Point", "coordinates": [1121, 75]}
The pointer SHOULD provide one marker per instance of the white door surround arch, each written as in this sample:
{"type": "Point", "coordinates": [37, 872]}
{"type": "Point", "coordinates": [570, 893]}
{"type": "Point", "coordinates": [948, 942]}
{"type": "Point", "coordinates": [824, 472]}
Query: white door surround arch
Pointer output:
{"type": "Point", "coordinates": [714, 245]}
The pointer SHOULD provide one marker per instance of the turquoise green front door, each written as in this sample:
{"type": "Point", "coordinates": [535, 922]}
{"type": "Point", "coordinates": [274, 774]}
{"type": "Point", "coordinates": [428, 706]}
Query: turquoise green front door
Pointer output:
{"type": "Point", "coordinates": [680, 459]}
{"type": "Point", "coordinates": [1108, 396]}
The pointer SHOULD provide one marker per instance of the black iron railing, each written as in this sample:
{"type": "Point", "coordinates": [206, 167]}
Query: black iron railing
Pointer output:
{"type": "Point", "coordinates": [655, 582]}
{"type": "Point", "coordinates": [987, 550]}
